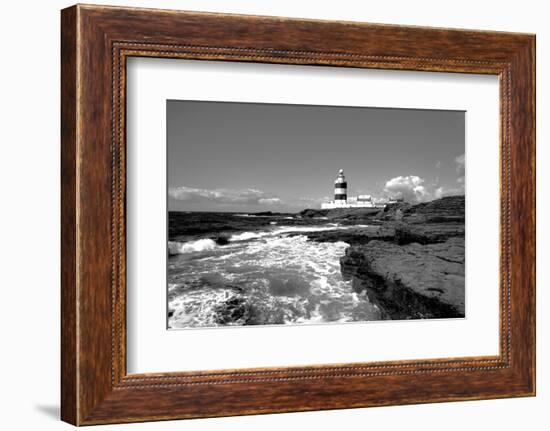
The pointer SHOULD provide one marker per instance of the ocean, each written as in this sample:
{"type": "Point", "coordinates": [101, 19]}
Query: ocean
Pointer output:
{"type": "Point", "coordinates": [257, 269]}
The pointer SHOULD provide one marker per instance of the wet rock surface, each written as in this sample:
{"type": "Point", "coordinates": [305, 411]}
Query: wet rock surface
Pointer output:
{"type": "Point", "coordinates": [234, 310]}
{"type": "Point", "coordinates": [409, 282]}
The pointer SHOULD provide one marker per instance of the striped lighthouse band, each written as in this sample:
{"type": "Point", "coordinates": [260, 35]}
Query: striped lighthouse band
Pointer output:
{"type": "Point", "coordinates": [340, 193]}
{"type": "Point", "coordinates": [340, 187]}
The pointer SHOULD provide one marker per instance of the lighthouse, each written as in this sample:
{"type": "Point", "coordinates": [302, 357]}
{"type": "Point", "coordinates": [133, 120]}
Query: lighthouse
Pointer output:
{"type": "Point", "coordinates": [341, 199]}
{"type": "Point", "coordinates": [341, 188]}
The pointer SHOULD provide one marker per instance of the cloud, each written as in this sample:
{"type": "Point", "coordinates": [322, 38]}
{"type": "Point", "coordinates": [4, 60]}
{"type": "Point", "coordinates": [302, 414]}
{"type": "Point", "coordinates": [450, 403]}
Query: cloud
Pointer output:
{"type": "Point", "coordinates": [411, 188]}
{"type": "Point", "coordinates": [222, 196]}
{"type": "Point", "coordinates": [269, 201]}
{"type": "Point", "coordinates": [460, 162]}
{"type": "Point", "coordinates": [460, 170]}
{"type": "Point", "coordinates": [459, 189]}
{"type": "Point", "coordinates": [414, 189]}
{"type": "Point", "coordinates": [313, 200]}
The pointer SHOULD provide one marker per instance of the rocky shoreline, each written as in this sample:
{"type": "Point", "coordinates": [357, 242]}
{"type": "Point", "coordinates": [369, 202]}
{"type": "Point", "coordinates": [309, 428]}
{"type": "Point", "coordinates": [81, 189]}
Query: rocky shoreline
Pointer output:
{"type": "Point", "coordinates": [409, 260]}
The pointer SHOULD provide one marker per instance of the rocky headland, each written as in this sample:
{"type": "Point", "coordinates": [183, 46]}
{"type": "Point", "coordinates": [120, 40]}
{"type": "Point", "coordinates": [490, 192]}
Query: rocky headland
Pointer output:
{"type": "Point", "coordinates": [408, 259]}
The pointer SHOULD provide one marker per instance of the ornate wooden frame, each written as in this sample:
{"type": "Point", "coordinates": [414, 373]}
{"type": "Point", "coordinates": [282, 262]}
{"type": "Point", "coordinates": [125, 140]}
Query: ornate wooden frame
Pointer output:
{"type": "Point", "coordinates": [95, 43]}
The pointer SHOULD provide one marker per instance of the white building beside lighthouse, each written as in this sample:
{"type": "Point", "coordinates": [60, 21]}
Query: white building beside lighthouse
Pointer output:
{"type": "Point", "coordinates": [341, 199]}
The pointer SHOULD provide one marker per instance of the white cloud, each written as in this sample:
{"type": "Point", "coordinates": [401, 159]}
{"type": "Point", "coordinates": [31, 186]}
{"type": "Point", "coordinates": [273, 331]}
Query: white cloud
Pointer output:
{"type": "Point", "coordinates": [313, 200]}
{"type": "Point", "coordinates": [269, 201]}
{"type": "Point", "coordinates": [222, 196]}
{"type": "Point", "coordinates": [460, 170]}
{"type": "Point", "coordinates": [460, 162]}
{"type": "Point", "coordinates": [411, 188]}
{"type": "Point", "coordinates": [414, 189]}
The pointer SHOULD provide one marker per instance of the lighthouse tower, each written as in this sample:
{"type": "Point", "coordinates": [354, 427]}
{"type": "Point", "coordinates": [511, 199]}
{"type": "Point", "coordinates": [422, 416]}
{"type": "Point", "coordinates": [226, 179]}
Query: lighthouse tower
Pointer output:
{"type": "Point", "coordinates": [341, 199]}
{"type": "Point", "coordinates": [340, 188]}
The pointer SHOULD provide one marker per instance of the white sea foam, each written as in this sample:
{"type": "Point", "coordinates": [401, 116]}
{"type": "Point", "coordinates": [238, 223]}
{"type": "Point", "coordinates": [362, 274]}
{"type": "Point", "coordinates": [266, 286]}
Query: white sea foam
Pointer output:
{"type": "Point", "coordinates": [198, 308]}
{"type": "Point", "coordinates": [175, 247]}
{"type": "Point", "coordinates": [204, 244]}
{"type": "Point", "coordinates": [245, 236]}
{"type": "Point", "coordinates": [287, 229]}
{"type": "Point", "coordinates": [282, 278]}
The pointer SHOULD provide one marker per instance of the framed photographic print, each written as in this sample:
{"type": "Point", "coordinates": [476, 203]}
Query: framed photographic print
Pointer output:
{"type": "Point", "coordinates": [267, 215]}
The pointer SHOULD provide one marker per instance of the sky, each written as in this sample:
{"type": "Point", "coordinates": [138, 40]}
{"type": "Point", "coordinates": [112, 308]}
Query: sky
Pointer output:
{"type": "Point", "coordinates": [251, 157]}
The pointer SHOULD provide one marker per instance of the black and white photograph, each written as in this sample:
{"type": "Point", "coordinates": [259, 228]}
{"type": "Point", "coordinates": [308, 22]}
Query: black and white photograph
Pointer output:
{"type": "Point", "coordinates": [275, 215]}
{"type": "Point", "coordinates": [299, 214]}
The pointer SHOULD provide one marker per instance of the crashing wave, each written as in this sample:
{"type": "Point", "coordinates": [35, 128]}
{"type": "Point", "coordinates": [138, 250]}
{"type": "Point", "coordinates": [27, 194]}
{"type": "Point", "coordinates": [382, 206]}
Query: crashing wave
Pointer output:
{"type": "Point", "coordinates": [205, 244]}
{"type": "Point", "coordinates": [305, 229]}
{"type": "Point", "coordinates": [175, 247]}
{"type": "Point", "coordinates": [276, 279]}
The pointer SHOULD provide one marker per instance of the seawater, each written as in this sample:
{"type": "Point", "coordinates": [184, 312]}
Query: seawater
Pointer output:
{"type": "Point", "coordinates": [268, 276]}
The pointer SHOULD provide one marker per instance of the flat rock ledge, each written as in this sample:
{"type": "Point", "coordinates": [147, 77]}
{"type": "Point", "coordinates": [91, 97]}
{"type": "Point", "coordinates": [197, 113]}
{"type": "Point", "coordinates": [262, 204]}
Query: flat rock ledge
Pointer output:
{"type": "Point", "coordinates": [414, 281]}
{"type": "Point", "coordinates": [356, 236]}
{"type": "Point", "coordinates": [399, 233]}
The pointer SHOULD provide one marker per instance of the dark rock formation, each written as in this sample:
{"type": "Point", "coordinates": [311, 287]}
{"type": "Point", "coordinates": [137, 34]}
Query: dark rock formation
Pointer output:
{"type": "Point", "coordinates": [221, 240]}
{"type": "Point", "coordinates": [311, 213]}
{"type": "Point", "coordinates": [412, 281]}
{"type": "Point", "coordinates": [353, 236]}
{"type": "Point", "coordinates": [341, 213]}
{"type": "Point", "coordinates": [233, 311]}
{"type": "Point", "coordinates": [428, 233]}
{"type": "Point", "coordinates": [449, 209]}
{"type": "Point", "coordinates": [265, 213]}
{"type": "Point", "coordinates": [271, 214]}
{"type": "Point", "coordinates": [393, 212]}
{"type": "Point", "coordinates": [445, 210]}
